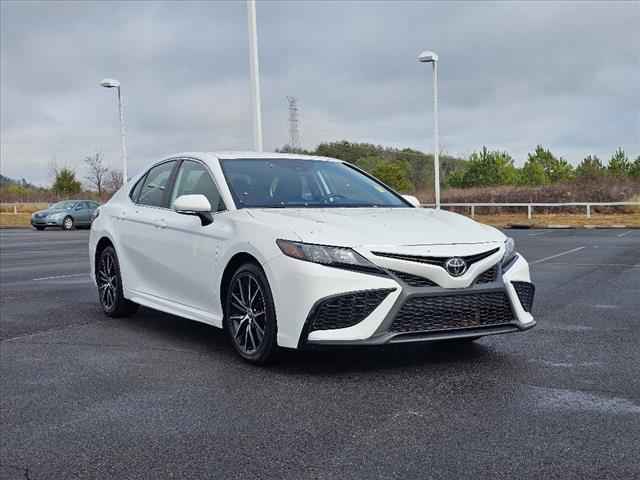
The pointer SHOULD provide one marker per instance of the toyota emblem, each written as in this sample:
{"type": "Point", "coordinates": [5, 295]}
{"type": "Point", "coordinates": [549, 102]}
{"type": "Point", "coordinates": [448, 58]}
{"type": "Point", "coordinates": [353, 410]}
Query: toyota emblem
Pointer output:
{"type": "Point", "coordinates": [456, 266]}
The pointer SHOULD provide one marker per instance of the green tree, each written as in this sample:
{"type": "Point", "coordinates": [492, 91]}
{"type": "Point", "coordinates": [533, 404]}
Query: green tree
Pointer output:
{"type": "Point", "coordinates": [455, 179]}
{"type": "Point", "coordinates": [65, 183]}
{"type": "Point", "coordinates": [634, 169]}
{"type": "Point", "coordinates": [487, 168]}
{"type": "Point", "coordinates": [419, 166]}
{"type": "Point", "coordinates": [555, 169]}
{"type": "Point", "coordinates": [394, 174]}
{"type": "Point", "coordinates": [590, 168]}
{"type": "Point", "coordinates": [619, 165]}
{"type": "Point", "coordinates": [533, 174]}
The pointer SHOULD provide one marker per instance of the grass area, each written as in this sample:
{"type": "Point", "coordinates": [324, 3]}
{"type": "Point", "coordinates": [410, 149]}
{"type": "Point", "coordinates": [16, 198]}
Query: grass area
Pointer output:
{"type": "Point", "coordinates": [22, 207]}
{"type": "Point", "coordinates": [575, 220]}
{"type": "Point", "coordinates": [11, 220]}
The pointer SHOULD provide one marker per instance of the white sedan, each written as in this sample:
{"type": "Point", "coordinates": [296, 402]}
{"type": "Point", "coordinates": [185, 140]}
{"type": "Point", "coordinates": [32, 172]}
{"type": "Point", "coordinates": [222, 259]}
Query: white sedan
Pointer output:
{"type": "Point", "coordinates": [286, 250]}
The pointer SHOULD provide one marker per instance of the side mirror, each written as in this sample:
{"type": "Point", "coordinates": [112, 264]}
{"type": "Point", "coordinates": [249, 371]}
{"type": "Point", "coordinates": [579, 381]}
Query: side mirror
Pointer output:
{"type": "Point", "coordinates": [412, 200]}
{"type": "Point", "coordinates": [196, 205]}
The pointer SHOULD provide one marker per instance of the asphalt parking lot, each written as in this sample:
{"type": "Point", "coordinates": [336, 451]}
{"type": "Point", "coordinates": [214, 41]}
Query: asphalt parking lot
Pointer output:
{"type": "Point", "coordinates": [154, 396]}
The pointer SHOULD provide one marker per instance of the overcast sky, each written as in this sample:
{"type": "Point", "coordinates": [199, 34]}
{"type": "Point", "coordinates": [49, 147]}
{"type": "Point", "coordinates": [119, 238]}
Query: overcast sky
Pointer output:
{"type": "Point", "coordinates": [512, 74]}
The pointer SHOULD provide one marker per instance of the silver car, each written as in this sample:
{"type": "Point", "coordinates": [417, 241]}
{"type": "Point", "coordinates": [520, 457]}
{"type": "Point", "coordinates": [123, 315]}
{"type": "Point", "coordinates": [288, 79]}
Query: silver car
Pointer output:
{"type": "Point", "coordinates": [67, 215]}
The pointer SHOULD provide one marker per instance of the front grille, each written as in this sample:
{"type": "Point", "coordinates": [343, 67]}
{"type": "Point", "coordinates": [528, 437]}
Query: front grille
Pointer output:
{"type": "Point", "coordinates": [439, 261]}
{"type": "Point", "coordinates": [488, 276]}
{"type": "Point", "coordinates": [414, 280]}
{"type": "Point", "coordinates": [346, 310]}
{"type": "Point", "coordinates": [526, 292]}
{"type": "Point", "coordinates": [451, 312]}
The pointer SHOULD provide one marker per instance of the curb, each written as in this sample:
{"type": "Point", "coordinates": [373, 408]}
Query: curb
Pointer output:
{"type": "Point", "coordinates": [615, 226]}
{"type": "Point", "coordinates": [15, 227]}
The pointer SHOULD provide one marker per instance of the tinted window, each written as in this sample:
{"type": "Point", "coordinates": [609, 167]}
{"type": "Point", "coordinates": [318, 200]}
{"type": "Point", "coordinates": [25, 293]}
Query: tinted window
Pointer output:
{"type": "Point", "coordinates": [135, 192]}
{"type": "Point", "coordinates": [193, 178]}
{"type": "Point", "coordinates": [93, 205]}
{"type": "Point", "coordinates": [296, 183]}
{"type": "Point", "coordinates": [66, 205]}
{"type": "Point", "coordinates": [155, 185]}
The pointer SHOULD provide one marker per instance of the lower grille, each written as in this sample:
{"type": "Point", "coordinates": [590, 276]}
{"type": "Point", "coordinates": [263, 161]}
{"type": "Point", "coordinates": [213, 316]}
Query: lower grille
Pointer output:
{"type": "Point", "coordinates": [525, 291]}
{"type": "Point", "coordinates": [450, 312]}
{"type": "Point", "coordinates": [346, 310]}
{"type": "Point", "coordinates": [414, 280]}
{"type": "Point", "coordinates": [488, 276]}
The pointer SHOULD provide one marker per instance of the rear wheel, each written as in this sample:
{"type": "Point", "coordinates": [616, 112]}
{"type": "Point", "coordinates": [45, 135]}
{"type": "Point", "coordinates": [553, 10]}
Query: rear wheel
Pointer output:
{"type": "Point", "coordinates": [67, 223]}
{"type": "Point", "coordinates": [250, 318]}
{"type": "Point", "coordinates": [109, 283]}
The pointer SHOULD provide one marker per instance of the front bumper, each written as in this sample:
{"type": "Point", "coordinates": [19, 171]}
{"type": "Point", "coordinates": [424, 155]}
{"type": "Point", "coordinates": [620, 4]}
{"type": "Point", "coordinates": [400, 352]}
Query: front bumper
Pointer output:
{"type": "Point", "coordinates": [46, 222]}
{"type": "Point", "coordinates": [489, 308]}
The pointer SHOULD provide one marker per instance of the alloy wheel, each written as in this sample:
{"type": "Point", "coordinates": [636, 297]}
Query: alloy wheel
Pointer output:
{"type": "Point", "coordinates": [247, 316]}
{"type": "Point", "coordinates": [68, 223]}
{"type": "Point", "coordinates": [107, 281]}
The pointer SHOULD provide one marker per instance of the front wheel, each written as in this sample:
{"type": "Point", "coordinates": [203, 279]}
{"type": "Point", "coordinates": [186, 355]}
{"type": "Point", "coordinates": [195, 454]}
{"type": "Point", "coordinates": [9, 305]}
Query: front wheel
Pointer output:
{"type": "Point", "coordinates": [67, 223]}
{"type": "Point", "coordinates": [250, 318]}
{"type": "Point", "coordinates": [39, 228]}
{"type": "Point", "coordinates": [109, 283]}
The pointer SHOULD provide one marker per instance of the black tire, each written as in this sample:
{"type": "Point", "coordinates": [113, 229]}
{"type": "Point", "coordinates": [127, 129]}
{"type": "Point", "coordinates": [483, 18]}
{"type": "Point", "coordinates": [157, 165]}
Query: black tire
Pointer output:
{"type": "Point", "coordinates": [109, 282]}
{"type": "Point", "coordinates": [249, 296]}
{"type": "Point", "coordinates": [68, 223]}
{"type": "Point", "coordinates": [39, 228]}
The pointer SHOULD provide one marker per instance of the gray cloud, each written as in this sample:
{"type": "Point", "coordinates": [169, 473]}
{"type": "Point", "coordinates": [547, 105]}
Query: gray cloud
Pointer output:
{"type": "Point", "coordinates": [512, 74]}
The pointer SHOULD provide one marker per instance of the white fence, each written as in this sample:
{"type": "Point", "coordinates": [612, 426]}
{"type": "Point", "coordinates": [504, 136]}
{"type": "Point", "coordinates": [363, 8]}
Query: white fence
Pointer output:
{"type": "Point", "coordinates": [531, 206]}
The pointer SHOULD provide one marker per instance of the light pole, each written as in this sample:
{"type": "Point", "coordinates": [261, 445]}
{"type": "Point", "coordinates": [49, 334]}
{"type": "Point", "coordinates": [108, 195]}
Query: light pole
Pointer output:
{"type": "Point", "coordinates": [112, 83]}
{"type": "Point", "coordinates": [432, 57]}
{"type": "Point", "coordinates": [255, 75]}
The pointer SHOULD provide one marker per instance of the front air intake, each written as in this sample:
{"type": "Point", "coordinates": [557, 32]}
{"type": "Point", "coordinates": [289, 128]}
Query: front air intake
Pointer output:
{"type": "Point", "coordinates": [453, 312]}
{"type": "Point", "coordinates": [342, 311]}
{"type": "Point", "coordinates": [526, 292]}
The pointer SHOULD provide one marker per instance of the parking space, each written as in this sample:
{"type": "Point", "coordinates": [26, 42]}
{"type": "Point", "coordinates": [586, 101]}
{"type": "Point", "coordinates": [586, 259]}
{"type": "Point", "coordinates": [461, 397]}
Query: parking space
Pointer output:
{"type": "Point", "coordinates": [155, 396]}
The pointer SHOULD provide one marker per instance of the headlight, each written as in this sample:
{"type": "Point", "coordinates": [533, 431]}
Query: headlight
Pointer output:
{"type": "Point", "coordinates": [340, 257]}
{"type": "Point", "coordinates": [509, 251]}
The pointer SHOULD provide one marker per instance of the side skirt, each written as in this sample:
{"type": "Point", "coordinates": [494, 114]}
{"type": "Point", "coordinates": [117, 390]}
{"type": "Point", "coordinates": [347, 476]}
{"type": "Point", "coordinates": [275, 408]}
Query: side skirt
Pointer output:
{"type": "Point", "coordinates": [173, 308]}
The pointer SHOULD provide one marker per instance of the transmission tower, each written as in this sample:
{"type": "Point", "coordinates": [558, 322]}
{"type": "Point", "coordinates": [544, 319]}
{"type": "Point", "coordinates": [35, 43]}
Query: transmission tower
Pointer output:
{"type": "Point", "coordinates": [294, 131]}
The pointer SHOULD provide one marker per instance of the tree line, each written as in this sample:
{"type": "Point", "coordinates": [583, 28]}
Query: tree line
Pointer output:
{"type": "Point", "coordinates": [411, 170]}
{"type": "Point", "coordinates": [406, 170]}
{"type": "Point", "coordinates": [101, 183]}
{"type": "Point", "coordinates": [492, 167]}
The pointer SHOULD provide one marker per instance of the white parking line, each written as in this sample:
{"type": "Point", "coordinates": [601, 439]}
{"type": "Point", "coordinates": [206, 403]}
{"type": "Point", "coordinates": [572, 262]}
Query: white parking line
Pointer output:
{"type": "Point", "coordinates": [539, 233]}
{"type": "Point", "coordinates": [61, 276]}
{"type": "Point", "coordinates": [556, 255]}
{"type": "Point", "coordinates": [624, 234]}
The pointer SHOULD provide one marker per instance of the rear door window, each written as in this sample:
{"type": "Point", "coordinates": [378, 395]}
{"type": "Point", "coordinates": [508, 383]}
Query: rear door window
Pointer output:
{"type": "Point", "coordinates": [155, 187]}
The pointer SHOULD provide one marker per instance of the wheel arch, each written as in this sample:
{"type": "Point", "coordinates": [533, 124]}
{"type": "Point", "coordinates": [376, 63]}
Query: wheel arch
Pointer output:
{"type": "Point", "coordinates": [103, 243]}
{"type": "Point", "coordinates": [233, 264]}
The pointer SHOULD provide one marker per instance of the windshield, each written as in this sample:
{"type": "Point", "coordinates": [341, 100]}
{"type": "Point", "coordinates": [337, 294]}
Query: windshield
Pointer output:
{"type": "Point", "coordinates": [296, 183]}
{"type": "Point", "coordinates": [67, 205]}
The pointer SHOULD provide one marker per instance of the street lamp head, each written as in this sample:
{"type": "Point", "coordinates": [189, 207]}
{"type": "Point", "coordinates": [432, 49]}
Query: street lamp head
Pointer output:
{"type": "Point", "coordinates": [428, 56]}
{"type": "Point", "coordinates": [110, 83]}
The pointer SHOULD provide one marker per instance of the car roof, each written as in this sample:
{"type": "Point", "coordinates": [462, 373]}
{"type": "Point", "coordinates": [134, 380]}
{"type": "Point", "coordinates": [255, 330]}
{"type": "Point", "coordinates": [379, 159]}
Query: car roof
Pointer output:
{"type": "Point", "coordinates": [248, 155]}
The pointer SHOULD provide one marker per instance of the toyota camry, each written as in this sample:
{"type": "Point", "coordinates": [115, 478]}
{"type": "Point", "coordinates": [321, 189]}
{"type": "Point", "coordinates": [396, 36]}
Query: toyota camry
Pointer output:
{"type": "Point", "coordinates": [284, 250]}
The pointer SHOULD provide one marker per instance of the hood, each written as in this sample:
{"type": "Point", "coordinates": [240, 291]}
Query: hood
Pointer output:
{"type": "Point", "coordinates": [378, 226]}
{"type": "Point", "coordinates": [49, 211]}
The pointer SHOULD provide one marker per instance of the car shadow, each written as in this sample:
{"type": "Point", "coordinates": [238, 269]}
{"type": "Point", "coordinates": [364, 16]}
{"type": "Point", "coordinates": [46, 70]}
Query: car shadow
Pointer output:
{"type": "Point", "coordinates": [212, 342]}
